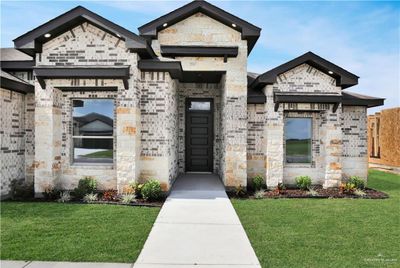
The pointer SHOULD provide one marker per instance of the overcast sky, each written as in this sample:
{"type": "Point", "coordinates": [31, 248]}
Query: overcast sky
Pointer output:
{"type": "Point", "coordinates": [362, 37]}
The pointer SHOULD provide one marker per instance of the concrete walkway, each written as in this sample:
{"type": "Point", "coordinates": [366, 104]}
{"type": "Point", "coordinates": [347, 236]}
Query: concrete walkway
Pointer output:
{"type": "Point", "coordinates": [197, 227]}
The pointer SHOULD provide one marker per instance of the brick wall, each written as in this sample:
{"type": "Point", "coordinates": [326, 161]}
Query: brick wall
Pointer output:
{"type": "Point", "coordinates": [12, 138]}
{"type": "Point", "coordinates": [256, 146]}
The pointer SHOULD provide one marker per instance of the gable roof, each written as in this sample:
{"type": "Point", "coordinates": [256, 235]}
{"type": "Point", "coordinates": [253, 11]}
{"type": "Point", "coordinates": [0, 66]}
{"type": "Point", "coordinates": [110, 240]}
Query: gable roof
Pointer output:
{"type": "Point", "coordinates": [249, 32]}
{"type": "Point", "coordinates": [343, 77]}
{"type": "Point", "coordinates": [88, 118]}
{"type": "Point", "coordinates": [31, 42]}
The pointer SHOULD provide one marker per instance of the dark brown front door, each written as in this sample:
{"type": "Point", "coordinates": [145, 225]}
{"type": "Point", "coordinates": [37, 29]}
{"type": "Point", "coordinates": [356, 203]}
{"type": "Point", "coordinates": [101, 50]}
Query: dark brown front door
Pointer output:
{"type": "Point", "coordinates": [199, 135]}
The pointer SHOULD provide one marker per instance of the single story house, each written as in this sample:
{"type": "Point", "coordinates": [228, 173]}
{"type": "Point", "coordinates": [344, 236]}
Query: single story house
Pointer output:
{"type": "Point", "coordinates": [83, 96]}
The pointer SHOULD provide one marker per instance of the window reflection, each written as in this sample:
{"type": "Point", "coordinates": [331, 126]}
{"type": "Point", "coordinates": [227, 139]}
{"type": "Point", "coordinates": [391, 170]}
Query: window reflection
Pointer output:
{"type": "Point", "coordinates": [93, 128]}
{"type": "Point", "coordinates": [298, 133]}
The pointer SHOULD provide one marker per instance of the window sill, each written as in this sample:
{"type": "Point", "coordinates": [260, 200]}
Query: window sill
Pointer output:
{"type": "Point", "coordinates": [91, 165]}
{"type": "Point", "coordinates": [299, 165]}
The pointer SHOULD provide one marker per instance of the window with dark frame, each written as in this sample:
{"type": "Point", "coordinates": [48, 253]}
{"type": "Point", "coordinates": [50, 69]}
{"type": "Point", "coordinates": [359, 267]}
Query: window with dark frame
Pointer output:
{"type": "Point", "coordinates": [93, 130]}
{"type": "Point", "coordinates": [298, 135]}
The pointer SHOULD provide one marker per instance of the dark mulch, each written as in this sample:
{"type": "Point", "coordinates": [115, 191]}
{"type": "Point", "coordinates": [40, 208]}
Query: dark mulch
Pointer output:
{"type": "Point", "coordinates": [322, 193]}
{"type": "Point", "coordinates": [137, 203]}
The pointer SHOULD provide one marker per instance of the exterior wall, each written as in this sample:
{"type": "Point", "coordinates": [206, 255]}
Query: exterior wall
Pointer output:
{"type": "Point", "coordinates": [85, 45]}
{"type": "Point", "coordinates": [191, 90]}
{"type": "Point", "coordinates": [159, 128]}
{"type": "Point", "coordinates": [354, 129]}
{"type": "Point", "coordinates": [389, 137]}
{"type": "Point", "coordinates": [200, 29]}
{"type": "Point", "coordinates": [256, 146]}
{"type": "Point", "coordinates": [326, 166]}
{"type": "Point", "coordinates": [12, 138]}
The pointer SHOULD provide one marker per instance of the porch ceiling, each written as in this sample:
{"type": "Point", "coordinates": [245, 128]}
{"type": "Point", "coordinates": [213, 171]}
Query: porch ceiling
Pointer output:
{"type": "Point", "coordinates": [201, 76]}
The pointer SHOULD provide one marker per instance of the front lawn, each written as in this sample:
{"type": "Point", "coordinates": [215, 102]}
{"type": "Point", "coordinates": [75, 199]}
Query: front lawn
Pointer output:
{"type": "Point", "coordinates": [73, 232]}
{"type": "Point", "coordinates": [326, 232]}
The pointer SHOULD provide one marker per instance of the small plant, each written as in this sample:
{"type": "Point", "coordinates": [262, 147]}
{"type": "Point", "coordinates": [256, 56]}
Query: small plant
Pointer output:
{"type": "Point", "coordinates": [64, 197]}
{"type": "Point", "coordinates": [359, 192]}
{"type": "Point", "coordinates": [151, 190]}
{"type": "Point", "coordinates": [127, 198]}
{"type": "Point", "coordinates": [50, 192]}
{"type": "Point", "coordinates": [87, 185]}
{"type": "Point", "coordinates": [21, 190]}
{"type": "Point", "coordinates": [128, 189]}
{"type": "Point", "coordinates": [312, 192]}
{"type": "Point", "coordinates": [280, 188]}
{"type": "Point", "coordinates": [239, 191]}
{"type": "Point", "coordinates": [303, 182]}
{"type": "Point", "coordinates": [357, 181]}
{"type": "Point", "coordinates": [347, 188]}
{"type": "Point", "coordinates": [110, 195]}
{"type": "Point", "coordinates": [90, 198]}
{"type": "Point", "coordinates": [258, 182]}
{"type": "Point", "coordinates": [259, 194]}
{"type": "Point", "coordinates": [137, 188]}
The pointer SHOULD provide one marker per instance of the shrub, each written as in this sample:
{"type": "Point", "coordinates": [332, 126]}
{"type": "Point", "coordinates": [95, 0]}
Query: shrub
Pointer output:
{"type": "Point", "coordinates": [137, 188]}
{"type": "Point", "coordinates": [90, 198]}
{"type": "Point", "coordinates": [51, 193]}
{"type": "Point", "coordinates": [239, 191]}
{"type": "Point", "coordinates": [357, 181]}
{"type": "Point", "coordinates": [110, 195]}
{"type": "Point", "coordinates": [280, 188]}
{"type": "Point", "coordinates": [127, 198]}
{"type": "Point", "coordinates": [259, 194]}
{"type": "Point", "coordinates": [21, 190]}
{"type": "Point", "coordinates": [359, 192]}
{"type": "Point", "coordinates": [128, 189]}
{"type": "Point", "coordinates": [87, 185]}
{"type": "Point", "coordinates": [312, 192]}
{"type": "Point", "coordinates": [303, 182]}
{"type": "Point", "coordinates": [64, 197]}
{"type": "Point", "coordinates": [151, 190]}
{"type": "Point", "coordinates": [258, 182]}
{"type": "Point", "coordinates": [347, 188]}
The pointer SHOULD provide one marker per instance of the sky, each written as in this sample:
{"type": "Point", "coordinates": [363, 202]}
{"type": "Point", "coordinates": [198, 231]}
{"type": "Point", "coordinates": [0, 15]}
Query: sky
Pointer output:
{"type": "Point", "coordinates": [361, 37]}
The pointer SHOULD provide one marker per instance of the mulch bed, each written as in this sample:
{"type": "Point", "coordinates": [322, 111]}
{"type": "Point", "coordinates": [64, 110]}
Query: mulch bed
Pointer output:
{"type": "Point", "coordinates": [322, 193]}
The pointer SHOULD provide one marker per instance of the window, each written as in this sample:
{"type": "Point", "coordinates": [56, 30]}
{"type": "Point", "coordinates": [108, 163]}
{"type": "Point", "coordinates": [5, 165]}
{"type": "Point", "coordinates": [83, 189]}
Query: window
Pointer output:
{"type": "Point", "coordinates": [93, 129]}
{"type": "Point", "coordinates": [298, 140]}
{"type": "Point", "coordinates": [199, 106]}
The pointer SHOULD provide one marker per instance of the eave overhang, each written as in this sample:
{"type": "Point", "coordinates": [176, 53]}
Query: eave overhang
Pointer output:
{"type": "Point", "coordinates": [31, 42]}
{"type": "Point", "coordinates": [255, 96]}
{"type": "Point", "coordinates": [83, 72]}
{"type": "Point", "coordinates": [16, 85]}
{"type": "Point", "coordinates": [306, 97]}
{"type": "Point", "coordinates": [249, 32]}
{"type": "Point", "coordinates": [354, 99]}
{"type": "Point", "coordinates": [199, 51]}
{"type": "Point", "coordinates": [344, 78]}
{"type": "Point", "coordinates": [17, 65]}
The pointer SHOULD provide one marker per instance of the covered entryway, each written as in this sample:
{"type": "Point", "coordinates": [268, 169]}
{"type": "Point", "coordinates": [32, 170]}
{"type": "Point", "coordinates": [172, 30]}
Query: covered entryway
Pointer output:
{"type": "Point", "coordinates": [199, 135]}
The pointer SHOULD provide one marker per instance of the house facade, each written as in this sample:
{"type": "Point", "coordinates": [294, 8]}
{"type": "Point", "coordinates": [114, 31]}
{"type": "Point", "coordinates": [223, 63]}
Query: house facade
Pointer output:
{"type": "Point", "coordinates": [82, 96]}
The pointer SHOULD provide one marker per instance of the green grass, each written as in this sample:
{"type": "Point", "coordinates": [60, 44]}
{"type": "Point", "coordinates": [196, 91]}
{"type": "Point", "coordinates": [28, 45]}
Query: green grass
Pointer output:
{"type": "Point", "coordinates": [73, 232]}
{"type": "Point", "coordinates": [100, 154]}
{"type": "Point", "coordinates": [326, 232]}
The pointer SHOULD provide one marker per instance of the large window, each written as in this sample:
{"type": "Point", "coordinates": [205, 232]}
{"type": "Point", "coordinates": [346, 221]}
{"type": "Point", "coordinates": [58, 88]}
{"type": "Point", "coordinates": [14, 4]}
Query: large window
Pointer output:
{"type": "Point", "coordinates": [93, 129]}
{"type": "Point", "coordinates": [298, 140]}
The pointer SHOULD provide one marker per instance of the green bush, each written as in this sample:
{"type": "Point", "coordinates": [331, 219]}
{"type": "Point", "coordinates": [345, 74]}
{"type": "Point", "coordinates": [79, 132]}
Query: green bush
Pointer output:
{"type": "Point", "coordinates": [137, 188]}
{"type": "Point", "coordinates": [151, 190]}
{"type": "Point", "coordinates": [303, 182]}
{"type": "Point", "coordinates": [357, 181]}
{"type": "Point", "coordinates": [258, 182]}
{"type": "Point", "coordinates": [87, 185]}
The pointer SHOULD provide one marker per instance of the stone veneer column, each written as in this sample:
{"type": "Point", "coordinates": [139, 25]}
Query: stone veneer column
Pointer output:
{"type": "Point", "coordinates": [48, 130]}
{"type": "Point", "coordinates": [332, 140]}
{"type": "Point", "coordinates": [128, 130]}
{"type": "Point", "coordinates": [234, 127]}
{"type": "Point", "coordinates": [274, 135]}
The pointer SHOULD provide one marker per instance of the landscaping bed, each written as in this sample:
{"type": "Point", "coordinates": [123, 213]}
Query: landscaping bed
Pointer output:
{"type": "Point", "coordinates": [320, 193]}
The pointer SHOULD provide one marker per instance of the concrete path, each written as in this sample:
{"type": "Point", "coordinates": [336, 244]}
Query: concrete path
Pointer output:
{"type": "Point", "coordinates": [197, 227]}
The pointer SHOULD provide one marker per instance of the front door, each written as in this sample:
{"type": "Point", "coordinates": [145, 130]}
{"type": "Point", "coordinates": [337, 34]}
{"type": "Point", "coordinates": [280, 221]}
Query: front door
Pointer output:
{"type": "Point", "coordinates": [199, 135]}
